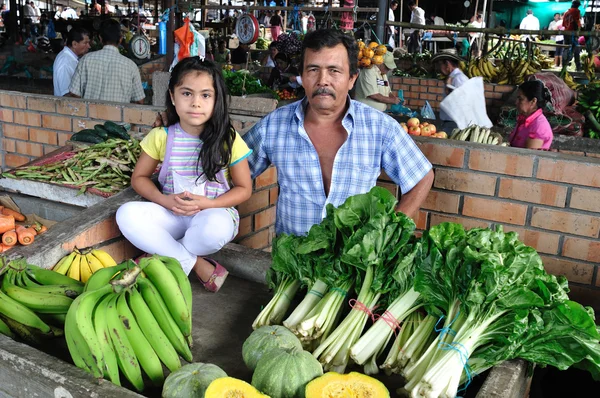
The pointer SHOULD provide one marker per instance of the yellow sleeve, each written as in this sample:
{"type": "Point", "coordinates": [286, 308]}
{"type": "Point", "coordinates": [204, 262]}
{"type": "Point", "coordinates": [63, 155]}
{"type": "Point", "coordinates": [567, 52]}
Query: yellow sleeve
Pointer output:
{"type": "Point", "coordinates": [239, 150]}
{"type": "Point", "coordinates": [155, 143]}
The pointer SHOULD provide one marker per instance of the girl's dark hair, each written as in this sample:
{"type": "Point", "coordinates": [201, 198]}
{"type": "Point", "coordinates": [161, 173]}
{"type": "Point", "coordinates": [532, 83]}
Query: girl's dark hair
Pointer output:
{"type": "Point", "coordinates": [218, 134]}
{"type": "Point", "coordinates": [283, 57]}
{"type": "Point", "coordinates": [329, 38]}
{"type": "Point", "coordinates": [536, 89]}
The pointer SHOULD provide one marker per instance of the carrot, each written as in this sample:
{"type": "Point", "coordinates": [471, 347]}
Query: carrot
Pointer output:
{"type": "Point", "coordinates": [4, 247]}
{"type": "Point", "coordinates": [25, 235]}
{"type": "Point", "coordinates": [8, 212]}
{"type": "Point", "coordinates": [6, 223]}
{"type": "Point", "coordinates": [39, 228]}
{"type": "Point", "coordinates": [9, 238]}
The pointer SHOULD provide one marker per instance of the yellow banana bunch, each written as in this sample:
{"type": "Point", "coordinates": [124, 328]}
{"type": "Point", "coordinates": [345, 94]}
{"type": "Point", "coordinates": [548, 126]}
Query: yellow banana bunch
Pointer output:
{"type": "Point", "coordinates": [81, 264]}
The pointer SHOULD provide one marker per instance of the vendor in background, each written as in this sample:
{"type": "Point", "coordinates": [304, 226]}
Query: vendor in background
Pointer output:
{"type": "Point", "coordinates": [65, 63]}
{"type": "Point", "coordinates": [475, 38]}
{"type": "Point", "coordinates": [276, 25]}
{"type": "Point", "coordinates": [530, 22]}
{"type": "Point", "coordinates": [447, 62]}
{"type": "Point", "coordinates": [572, 22]}
{"type": "Point", "coordinates": [372, 86]}
{"type": "Point", "coordinates": [240, 54]}
{"type": "Point", "coordinates": [417, 16]}
{"type": "Point", "coordinates": [533, 130]}
{"type": "Point", "coordinates": [222, 55]}
{"type": "Point", "coordinates": [269, 59]}
{"type": "Point", "coordinates": [557, 24]}
{"type": "Point", "coordinates": [282, 73]}
{"type": "Point", "coordinates": [392, 18]}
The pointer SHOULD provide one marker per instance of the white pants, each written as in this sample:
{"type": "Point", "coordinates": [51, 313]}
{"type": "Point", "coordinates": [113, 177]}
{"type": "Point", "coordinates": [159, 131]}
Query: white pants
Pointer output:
{"type": "Point", "coordinates": [156, 230]}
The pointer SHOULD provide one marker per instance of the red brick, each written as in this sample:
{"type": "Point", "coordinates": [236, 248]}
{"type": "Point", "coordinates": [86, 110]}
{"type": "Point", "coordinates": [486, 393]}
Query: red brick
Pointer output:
{"type": "Point", "coordinates": [259, 240]}
{"type": "Point", "coordinates": [63, 138]}
{"type": "Point", "coordinates": [421, 219]}
{"type": "Point", "coordinates": [454, 180]}
{"type": "Point", "coordinates": [390, 186]}
{"type": "Point", "coordinates": [576, 153]}
{"type": "Point", "coordinates": [442, 201]}
{"type": "Point", "coordinates": [443, 155]}
{"type": "Point", "coordinates": [495, 210]}
{"type": "Point", "coordinates": [572, 270]}
{"type": "Point", "coordinates": [6, 115]}
{"type": "Point", "coordinates": [237, 124]}
{"type": "Point", "coordinates": [14, 131]}
{"type": "Point", "coordinates": [468, 223]}
{"type": "Point", "coordinates": [582, 249]}
{"type": "Point", "coordinates": [487, 88]}
{"type": "Point", "coordinates": [501, 162]}
{"type": "Point", "coordinates": [139, 116]}
{"type": "Point", "coordinates": [30, 149]}
{"type": "Point", "coordinates": [50, 148]}
{"type": "Point", "coordinates": [13, 100]}
{"type": "Point", "coordinates": [72, 107]}
{"type": "Point", "coordinates": [543, 242]}
{"type": "Point", "coordinates": [43, 136]}
{"type": "Point", "coordinates": [121, 250]}
{"type": "Point", "coordinates": [273, 195]}
{"type": "Point", "coordinates": [429, 97]}
{"type": "Point", "coordinates": [436, 90]}
{"type": "Point", "coordinates": [267, 178]}
{"type": "Point", "coordinates": [258, 200]}
{"type": "Point", "coordinates": [563, 221]}
{"type": "Point", "coordinates": [57, 122]}
{"type": "Point", "coordinates": [9, 145]}
{"type": "Point", "coordinates": [27, 118]}
{"type": "Point", "coordinates": [504, 88]}
{"type": "Point", "coordinates": [41, 104]}
{"type": "Point", "coordinates": [107, 112]}
{"type": "Point", "coordinates": [94, 235]}
{"type": "Point", "coordinates": [585, 199]}
{"type": "Point", "coordinates": [14, 160]}
{"type": "Point", "coordinates": [593, 155]}
{"type": "Point", "coordinates": [245, 227]}
{"type": "Point", "coordinates": [534, 192]}
{"type": "Point", "coordinates": [578, 173]}
{"type": "Point", "coordinates": [264, 218]}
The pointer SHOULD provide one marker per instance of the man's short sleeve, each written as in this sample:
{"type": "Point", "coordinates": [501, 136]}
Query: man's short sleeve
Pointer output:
{"type": "Point", "coordinates": [78, 80]}
{"type": "Point", "coordinates": [138, 90]}
{"type": "Point", "coordinates": [254, 138]}
{"type": "Point", "coordinates": [155, 143]}
{"type": "Point", "coordinates": [366, 84]}
{"type": "Point", "coordinates": [402, 159]}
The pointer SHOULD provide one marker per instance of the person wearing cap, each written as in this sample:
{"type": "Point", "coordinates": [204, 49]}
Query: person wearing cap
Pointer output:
{"type": "Point", "coordinates": [447, 62]}
{"type": "Point", "coordinates": [572, 22]}
{"type": "Point", "coordinates": [372, 86]}
{"type": "Point", "coordinates": [530, 22]}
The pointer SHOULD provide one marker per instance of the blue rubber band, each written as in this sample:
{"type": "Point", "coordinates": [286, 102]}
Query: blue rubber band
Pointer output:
{"type": "Point", "coordinates": [340, 291]}
{"type": "Point", "coordinates": [316, 293]}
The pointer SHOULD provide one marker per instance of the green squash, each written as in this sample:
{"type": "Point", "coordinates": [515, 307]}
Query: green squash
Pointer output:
{"type": "Point", "coordinates": [191, 381]}
{"type": "Point", "coordinates": [266, 338]}
{"type": "Point", "coordinates": [285, 374]}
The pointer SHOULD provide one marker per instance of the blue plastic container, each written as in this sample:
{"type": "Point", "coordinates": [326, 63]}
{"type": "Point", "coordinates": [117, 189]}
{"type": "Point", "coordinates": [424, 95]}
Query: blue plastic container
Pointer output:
{"type": "Point", "coordinates": [162, 38]}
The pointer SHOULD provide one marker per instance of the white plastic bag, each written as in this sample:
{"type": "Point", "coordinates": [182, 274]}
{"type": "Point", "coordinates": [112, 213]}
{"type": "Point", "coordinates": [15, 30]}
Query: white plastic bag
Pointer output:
{"type": "Point", "coordinates": [466, 105]}
{"type": "Point", "coordinates": [193, 185]}
{"type": "Point", "coordinates": [427, 111]}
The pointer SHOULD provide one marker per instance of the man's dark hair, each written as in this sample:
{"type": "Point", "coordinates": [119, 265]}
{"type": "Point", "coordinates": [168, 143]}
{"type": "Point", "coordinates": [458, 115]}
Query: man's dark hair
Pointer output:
{"type": "Point", "coordinates": [76, 34]}
{"type": "Point", "coordinates": [329, 38]}
{"type": "Point", "coordinates": [394, 3]}
{"type": "Point", "coordinates": [110, 32]}
{"type": "Point", "coordinates": [411, 3]}
{"type": "Point", "coordinates": [451, 61]}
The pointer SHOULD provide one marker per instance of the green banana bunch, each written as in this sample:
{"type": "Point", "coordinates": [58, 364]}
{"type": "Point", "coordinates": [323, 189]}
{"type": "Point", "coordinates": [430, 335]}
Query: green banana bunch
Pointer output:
{"type": "Point", "coordinates": [124, 324]}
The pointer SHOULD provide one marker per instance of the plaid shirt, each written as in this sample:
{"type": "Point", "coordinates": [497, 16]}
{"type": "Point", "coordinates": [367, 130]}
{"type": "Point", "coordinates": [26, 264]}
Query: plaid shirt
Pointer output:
{"type": "Point", "coordinates": [108, 76]}
{"type": "Point", "coordinates": [375, 142]}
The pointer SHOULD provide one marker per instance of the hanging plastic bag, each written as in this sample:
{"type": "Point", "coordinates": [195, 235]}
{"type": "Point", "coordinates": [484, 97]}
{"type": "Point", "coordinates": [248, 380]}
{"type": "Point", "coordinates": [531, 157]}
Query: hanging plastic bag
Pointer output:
{"type": "Point", "coordinates": [198, 47]}
{"type": "Point", "coordinates": [185, 37]}
{"type": "Point", "coordinates": [427, 112]}
{"type": "Point", "coordinates": [51, 30]}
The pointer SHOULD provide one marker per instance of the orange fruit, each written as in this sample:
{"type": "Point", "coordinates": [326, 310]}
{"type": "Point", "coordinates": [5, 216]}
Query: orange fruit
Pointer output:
{"type": "Point", "coordinates": [373, 44]}
{"type": "Point", "coordinates": [380, 50]}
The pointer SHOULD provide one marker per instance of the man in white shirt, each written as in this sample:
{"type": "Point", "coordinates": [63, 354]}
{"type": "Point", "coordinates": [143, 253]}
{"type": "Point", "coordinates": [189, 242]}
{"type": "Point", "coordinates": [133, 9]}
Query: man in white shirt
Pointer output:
{"type": "Point", "coordinates": [69, 13]}
{"type": "Point", "coordinates": [557, 24]}
{"type": "Point", "coordinates": [447, 62]}
{"type": "Point", "coordinates": [392, 18]}
{"type": "Point", "coordinates": [417, 16]}
{"type": "Point", "coordinates": [475, 38]}
{"type": "Point", "coordinates": [530, 22]}
{"type": "Point", "coordinates": [78, 44]}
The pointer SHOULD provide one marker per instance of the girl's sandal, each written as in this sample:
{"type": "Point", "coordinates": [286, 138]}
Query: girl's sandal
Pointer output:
{"type": "Point", "coordinates": [217, 278]}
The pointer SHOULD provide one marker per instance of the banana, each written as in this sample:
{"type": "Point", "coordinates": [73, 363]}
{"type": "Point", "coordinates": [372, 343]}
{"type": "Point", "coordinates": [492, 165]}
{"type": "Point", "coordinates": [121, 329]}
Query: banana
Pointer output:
{"type": "Point", "coordinates": [62, 267]}
{"type": "Point", "coordinates": [93, 262]}
{"type": "Point", "coordinates": [111, 366]}
{"type": "Point", "coordinates": [182, 280]}
{"type": "Point", "coordinates": [169, 289]}
{"type": "Point", "coordinates": [128, 362]}
{"type": "Point", "coordinates": [78, 348]}
{"type": "Point", "coordinates": [56, 319]}
{"type": "Point", "coordinates": [25, 333]}
{"type": "Point", "coordinates": [47, 277]}
{"type": "Point", "coordinates": [5, 330]}
{"type": "Point", "coordinates": [83, 309]}
{"type": "Point", "coordinates": [162, 315]}
{"type": "Point", "coordinates": [103, 276]}
{"type": "Point", "coordinates": [105, 258]}
{"type": "Point", "coordinates": [26, 281]}
{"type": "Point", "coordinates": [71, 291]}
{"type": "Point", "coordinates": [20, 313]}
{"type": "Point", "coordinates": [144, 352]}
{"type": "Point", "coordinates": [74, 270]}
{"type": "Point", "coordinates": [85, 270]}
{"type": "Point", "coordinates": [152, 331]}
{"type": "Point", "coordinates": [36, 301]}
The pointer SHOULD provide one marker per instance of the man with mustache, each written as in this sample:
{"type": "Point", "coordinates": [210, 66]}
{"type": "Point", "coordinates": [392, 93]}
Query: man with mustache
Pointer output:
{"type": "Point", "coordinates": [328, 147]}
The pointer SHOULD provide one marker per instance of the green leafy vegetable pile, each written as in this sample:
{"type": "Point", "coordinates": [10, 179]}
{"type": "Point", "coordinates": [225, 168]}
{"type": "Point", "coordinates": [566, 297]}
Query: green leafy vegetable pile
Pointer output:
{"type": "Point", "coordinates": [463, 300]}
{"type": "Point", "coordinates": [234, 80]}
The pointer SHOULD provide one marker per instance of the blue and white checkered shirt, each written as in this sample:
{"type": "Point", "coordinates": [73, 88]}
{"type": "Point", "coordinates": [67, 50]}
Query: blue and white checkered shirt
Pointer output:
{"type": "Point", "coordinates": [375, 142]}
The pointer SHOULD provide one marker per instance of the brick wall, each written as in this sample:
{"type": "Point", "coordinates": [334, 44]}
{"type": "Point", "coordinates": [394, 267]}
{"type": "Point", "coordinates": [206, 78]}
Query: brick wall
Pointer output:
{"type": "Point", "coordinates": [551, 200]}
{"type": "Point", "coordinates": [147, 69]}
{"type": "Point", "coordinates": [417, 91]}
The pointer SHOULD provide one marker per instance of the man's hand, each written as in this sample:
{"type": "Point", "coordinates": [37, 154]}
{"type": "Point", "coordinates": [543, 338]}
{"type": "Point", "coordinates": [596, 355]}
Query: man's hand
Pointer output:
{"type": "Point", "coordinates": [161, 120]}
{"type": "Point", "coordinates": [393, 99]}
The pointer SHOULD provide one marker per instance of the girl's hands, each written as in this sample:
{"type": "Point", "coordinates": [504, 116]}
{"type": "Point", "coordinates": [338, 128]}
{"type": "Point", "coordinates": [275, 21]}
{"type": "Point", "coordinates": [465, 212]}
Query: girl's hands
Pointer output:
{"type": "Point", "coordinates": [187, 204]}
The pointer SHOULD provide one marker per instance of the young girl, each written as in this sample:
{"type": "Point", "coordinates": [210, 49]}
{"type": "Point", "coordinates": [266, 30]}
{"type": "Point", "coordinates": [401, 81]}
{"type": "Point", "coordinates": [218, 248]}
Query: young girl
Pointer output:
{"type": "Point", "coordinates": [204, 174]}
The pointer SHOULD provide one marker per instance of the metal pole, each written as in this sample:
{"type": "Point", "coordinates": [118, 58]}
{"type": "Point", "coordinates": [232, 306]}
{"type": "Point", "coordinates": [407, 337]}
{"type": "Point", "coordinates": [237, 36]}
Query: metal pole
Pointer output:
{"type": "Point", "coordinates": [381, 19]}
{"type": "Point", "coordinates": [170, 29]}
{"type": "Point", "coordinates": [401, 38]}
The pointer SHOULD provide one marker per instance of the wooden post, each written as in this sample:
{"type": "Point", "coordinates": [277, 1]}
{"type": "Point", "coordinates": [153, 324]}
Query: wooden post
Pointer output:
{"type": "Point", "coordinates": [285, 15]}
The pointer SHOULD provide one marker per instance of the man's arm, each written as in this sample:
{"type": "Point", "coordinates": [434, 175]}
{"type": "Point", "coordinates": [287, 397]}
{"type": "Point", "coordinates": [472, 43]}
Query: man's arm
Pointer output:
{"type": "Point", "coordinates": [411, 201]}
{"type": "Point", "coordinates": [391, 99]}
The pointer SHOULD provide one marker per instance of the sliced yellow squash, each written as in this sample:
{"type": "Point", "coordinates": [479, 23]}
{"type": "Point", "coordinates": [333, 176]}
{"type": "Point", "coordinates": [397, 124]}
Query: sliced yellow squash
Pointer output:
{"type": "Point", "coordinates": [230, 387]}
{"type": "Point", "coordinates": [354, 384]}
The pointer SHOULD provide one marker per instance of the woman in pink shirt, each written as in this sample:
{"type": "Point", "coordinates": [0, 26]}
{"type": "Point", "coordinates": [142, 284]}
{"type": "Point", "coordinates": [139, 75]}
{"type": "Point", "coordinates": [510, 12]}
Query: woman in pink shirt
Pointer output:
{"type": "Point", "coordinates": [533, 130]}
